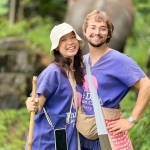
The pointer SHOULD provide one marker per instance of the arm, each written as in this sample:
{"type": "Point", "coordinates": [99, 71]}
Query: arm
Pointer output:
{"type": "Point", "coordinates": [143, 98]}
{"type": "Point", "coordinates": [141, 104]}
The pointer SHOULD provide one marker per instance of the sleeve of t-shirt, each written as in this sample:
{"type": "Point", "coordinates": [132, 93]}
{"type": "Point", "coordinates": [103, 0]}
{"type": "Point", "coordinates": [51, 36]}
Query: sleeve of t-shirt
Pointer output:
{"type": "Point", "coordinates": [128, 71]}
{"type": "Point", "coordinates": [47, 82]}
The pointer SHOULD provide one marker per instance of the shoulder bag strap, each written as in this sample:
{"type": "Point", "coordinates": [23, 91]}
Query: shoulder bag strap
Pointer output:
{"type": "Point", "coordinates": [73, 84]}
{"type": "Point", "coordinates": [67, 119]}
{"type": "Point", "coordinates": [100, 122]}
{"type": "Point", "coordinates": [50, 121]}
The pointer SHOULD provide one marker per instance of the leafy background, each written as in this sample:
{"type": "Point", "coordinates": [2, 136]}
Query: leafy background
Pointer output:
{"type": "Point", "coordinates": [14, 124]}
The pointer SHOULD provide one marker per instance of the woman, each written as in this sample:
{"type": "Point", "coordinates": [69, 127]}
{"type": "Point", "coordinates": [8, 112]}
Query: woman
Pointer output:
{"type": "Point", "coordinates": [55, 92]}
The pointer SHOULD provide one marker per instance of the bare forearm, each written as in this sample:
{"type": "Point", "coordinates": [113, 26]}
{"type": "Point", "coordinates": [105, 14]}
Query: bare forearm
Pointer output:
{"type": "Point", "coordinates": [141, 104]}
{"type": "Point", "coordinates": [142, 101]}
{"type": "Point", "coordinates": [41, 101]}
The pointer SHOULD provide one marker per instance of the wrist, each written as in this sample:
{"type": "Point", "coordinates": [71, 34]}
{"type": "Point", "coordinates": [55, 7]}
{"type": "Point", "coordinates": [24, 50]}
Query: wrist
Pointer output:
{"type": "Point", "coordinates": [131, 119]}
{"type": "Point", "coordinates": [38, 110]}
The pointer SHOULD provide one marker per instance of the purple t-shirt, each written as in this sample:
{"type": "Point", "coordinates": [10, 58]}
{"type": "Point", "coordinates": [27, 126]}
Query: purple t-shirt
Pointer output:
{"type": "Point", "coordinates": [112, 75]}
{"type": "Point", "coordinates": [56, 87]}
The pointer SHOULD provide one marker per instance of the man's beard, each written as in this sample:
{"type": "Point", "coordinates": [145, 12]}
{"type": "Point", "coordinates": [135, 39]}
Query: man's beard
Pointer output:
{"type": "Point", "coordinates": [97, 45]}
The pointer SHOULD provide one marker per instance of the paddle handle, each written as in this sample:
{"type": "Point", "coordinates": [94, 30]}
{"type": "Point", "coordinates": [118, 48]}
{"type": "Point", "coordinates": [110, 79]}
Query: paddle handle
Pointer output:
{"type": "Point", "coordinates": [31, 127]}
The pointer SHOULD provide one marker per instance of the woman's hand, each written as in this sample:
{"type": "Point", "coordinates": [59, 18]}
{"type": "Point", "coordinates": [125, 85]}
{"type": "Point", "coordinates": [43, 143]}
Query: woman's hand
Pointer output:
{"type": "Point", "coordinates": [32, 104]}
{"type": "Point", "coordinates": [119, 126]}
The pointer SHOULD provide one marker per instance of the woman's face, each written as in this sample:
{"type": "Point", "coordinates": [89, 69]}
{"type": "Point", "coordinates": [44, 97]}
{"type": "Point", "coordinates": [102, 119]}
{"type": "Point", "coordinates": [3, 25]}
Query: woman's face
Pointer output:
{"type": "Point", "coordinates": [68, 45]}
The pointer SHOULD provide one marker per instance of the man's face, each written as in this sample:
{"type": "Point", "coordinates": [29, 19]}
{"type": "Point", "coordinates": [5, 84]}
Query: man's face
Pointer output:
{"type": "Point", "coordinates": [96, 33]}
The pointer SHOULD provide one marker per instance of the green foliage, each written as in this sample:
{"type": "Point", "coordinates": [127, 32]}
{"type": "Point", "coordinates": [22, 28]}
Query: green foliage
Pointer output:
{"type": "Point", "coordinates": [138, 44]}
{"type": "Point", "coordinates": [52, 8]}
{"type": "Point", "coordinates": [3, 7]}
{"type": "Point", "coordinates": [137, 47]}
{"type": "Point", "coordinates": [13, 129]}
{"type": "Point", "coordinates": [141, 133]}
{"type": "Point", "coordinates": [37, 30]}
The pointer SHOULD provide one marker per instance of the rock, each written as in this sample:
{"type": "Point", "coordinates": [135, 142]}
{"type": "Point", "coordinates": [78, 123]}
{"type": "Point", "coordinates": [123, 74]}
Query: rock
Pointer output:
{"type": "Point", "coordinates": [18, 64]}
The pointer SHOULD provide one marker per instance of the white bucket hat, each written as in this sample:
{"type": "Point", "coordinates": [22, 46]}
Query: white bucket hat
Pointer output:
{"type": "Point", "coordinates": [60, 30]}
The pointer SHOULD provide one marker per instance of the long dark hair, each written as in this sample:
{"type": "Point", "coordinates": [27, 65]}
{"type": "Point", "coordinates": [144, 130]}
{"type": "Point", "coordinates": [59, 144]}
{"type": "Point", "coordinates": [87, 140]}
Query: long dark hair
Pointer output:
{"type": "Point", "coordinates": [64, 63]}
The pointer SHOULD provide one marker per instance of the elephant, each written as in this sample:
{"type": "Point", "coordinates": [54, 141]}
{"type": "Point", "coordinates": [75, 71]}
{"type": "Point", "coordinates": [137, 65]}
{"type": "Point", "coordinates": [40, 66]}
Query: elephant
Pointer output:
{"type": "Point", "coordinates": [121, 13]}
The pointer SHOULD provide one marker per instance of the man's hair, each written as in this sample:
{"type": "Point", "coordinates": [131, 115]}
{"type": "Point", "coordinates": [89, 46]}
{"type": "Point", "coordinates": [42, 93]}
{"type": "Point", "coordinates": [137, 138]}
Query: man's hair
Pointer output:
{"type": "Point", "coordinates": [99, 16]}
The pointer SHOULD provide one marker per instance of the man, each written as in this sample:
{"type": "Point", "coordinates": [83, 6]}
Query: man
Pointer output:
{"type": "Point", "coordinates": [114, 74]}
